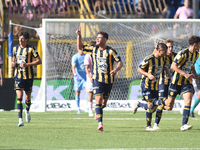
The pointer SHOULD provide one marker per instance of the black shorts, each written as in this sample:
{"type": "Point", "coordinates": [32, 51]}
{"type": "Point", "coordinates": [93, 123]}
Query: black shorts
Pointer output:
{"type": "Point", "coordinates": [163, 90]}
{"type": "Point", "coordinates": [25, 85]}
{"type": "Point", "coordinates": [148, 94]}
{"type": "Point", "coordinates": [102, 88]}
{"type": "Point", "coordinates": [175, 89]}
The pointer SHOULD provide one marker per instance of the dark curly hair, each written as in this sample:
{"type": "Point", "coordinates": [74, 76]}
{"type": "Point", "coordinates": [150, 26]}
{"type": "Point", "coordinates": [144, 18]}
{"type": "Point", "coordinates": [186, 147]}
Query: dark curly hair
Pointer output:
{"type": "Point", "coordinates": [105, 35]}
{"type": "Point", "coordinates": [25, 34]}
{"type": "Point", "coordinates": [194, 39]}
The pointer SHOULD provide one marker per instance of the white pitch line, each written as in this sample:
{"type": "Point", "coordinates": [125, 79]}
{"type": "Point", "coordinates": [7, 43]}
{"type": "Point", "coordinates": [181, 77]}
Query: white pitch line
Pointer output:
{"type": "Point", "coordinates": [117, 118]}
{"type": "Point", "coordinates": [139, 149]}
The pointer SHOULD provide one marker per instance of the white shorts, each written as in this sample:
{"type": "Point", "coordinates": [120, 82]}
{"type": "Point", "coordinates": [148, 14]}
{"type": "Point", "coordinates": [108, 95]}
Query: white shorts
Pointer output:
{"type": "Point", "coordinates": [89, 86]}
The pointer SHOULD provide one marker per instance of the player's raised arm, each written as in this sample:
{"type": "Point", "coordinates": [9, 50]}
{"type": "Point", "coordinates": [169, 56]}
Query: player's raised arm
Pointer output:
{"type": "Point", "coordinates": [79, 42]}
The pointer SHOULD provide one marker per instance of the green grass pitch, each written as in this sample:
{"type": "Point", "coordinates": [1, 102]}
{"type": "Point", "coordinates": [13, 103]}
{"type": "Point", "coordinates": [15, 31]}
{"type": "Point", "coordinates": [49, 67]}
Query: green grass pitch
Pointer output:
{"type": "Point", "coordinates": [122, 130]}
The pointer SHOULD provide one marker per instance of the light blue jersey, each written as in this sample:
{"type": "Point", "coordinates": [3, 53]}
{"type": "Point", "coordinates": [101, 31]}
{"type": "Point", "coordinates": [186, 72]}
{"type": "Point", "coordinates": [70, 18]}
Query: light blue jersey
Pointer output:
{"type": "Point", "coordinates": [78, 60]}
{"type": "Point", "coordinates": [197, 66]}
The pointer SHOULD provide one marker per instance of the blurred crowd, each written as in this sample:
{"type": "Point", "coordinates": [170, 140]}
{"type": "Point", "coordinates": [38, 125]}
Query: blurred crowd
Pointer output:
{"type": "Point", "coordinates": [31, 12]}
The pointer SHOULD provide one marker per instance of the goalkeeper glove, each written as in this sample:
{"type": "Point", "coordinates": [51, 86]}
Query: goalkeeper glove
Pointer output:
{"type": "Point", "coordinates": [77, 77]}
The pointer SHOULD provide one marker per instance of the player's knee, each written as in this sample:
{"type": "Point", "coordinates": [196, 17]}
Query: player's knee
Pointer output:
{"type": "Point", "coordinates": [169, 108]}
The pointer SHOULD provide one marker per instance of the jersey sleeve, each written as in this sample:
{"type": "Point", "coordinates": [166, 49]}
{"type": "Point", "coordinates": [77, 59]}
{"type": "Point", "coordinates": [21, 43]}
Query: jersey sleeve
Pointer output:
{"type": "Point", "coordinates": [143, 64]}
{"type": "Point", "coordinates": [179, 57]}
{"type": "Point", "coordinates": [14, 50]}
{"type": "Point", "coordinates": [34, 52]}
{"type": "Point", "coordinates": [88, 49]}
{"type": "Point", "coordinates": [74, 60]}
{"type": "Point", "coordinates": [178, 11]}
{"type": "Point", "coordinates": [116, 56]}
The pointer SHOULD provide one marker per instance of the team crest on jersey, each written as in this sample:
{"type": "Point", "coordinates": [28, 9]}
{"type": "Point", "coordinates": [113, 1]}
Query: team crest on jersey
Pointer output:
{"type": "Point", "coordinates": [146, 97]}
{"type": "Point", "coordinates": [171, 93]}
{"type": "Point", "coordinates": [102, 67]}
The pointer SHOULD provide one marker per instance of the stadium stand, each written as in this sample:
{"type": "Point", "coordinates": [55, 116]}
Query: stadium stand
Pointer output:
{"type": "Point", "coordinates": [31, 12]}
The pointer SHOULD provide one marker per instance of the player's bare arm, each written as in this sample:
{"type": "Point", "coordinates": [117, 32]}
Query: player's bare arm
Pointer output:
{"type": "Point", "coordinates": [176, 16]}
{"type": "Point", "coordinates": [73, 69]}
{"type": "Point", "coordinates": [13, 61]}
{"type": "Point", "coordinates": [167, 71]}
{"type": "Point", "coordinates": [34, 63]}
{"type": "Point", "coordinates": [119, 66]}
{"type": "Point", "coordinates": [175, 68]}
{"type": "Point", "coordinates": [150, 76]}
{"type": "Point", "coordinates": [196, 76]}
{"type": "Point", "coordinates": [79, 42]}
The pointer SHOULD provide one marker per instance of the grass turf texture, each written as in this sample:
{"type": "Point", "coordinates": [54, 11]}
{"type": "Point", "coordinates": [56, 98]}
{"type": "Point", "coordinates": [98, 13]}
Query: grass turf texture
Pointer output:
{"type": "Point", "coordinates": [122, 130]}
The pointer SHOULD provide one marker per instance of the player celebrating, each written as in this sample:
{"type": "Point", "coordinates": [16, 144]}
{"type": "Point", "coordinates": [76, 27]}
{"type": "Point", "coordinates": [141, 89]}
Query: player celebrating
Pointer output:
{"type": "Point", "coordinates": [103, 58]}
{"type": "Point", "coordinates": [163, 84]}
{"type": "Point", "coordinates": [150, 68]}
{"type": "Point", "coordinates": [181, 81]}
{"type": "Point", "coordinates": [23, 61]}
{"type": "Point", "coordinates": [78, 70]}
{"type": "Point", "coordinates": [165, 80]}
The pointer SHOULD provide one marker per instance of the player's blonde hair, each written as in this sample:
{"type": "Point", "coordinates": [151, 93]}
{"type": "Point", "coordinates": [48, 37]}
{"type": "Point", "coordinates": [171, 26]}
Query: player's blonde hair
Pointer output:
{"type": "Point", "coordinates": [169, 41]}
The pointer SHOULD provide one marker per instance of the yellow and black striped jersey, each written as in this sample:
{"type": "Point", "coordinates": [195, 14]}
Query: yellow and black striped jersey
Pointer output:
{"type": "Point", "coordinates": [164, 79]}
{"type": "Point", "coordinates": [153, 66]}
{"type": "Point", "coordinates": [103, 62]}
{"type": "Point", "coordinates": [27, 55]}
{"type": "Point", "coordinates": [185, 61]}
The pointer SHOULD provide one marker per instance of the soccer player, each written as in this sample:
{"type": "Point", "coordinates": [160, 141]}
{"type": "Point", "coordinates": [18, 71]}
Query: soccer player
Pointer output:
{"type": "Point", "coordinates": [197, 100]}
{"type": "Point", "coordinates": [181, 81]}
{"type": "Point", "coordinates": [165, 80]}
{"type": "Point", "coordinates": [151, 68]}
{"type": "Point", "coordinates": [103, 58]}
{"type": "Point", "coordinates": [25, 57]}
{"type": "Point", "coordinates": [88, 68]}
{"type": "Point", "coordinates": [163, 83]}
{"type": "Point", "coordinates": [78, 70]}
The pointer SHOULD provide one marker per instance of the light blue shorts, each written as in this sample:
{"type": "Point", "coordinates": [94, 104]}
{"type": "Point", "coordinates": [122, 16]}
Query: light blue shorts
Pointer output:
{"type": "Point", "coordinates": [79, 85]}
